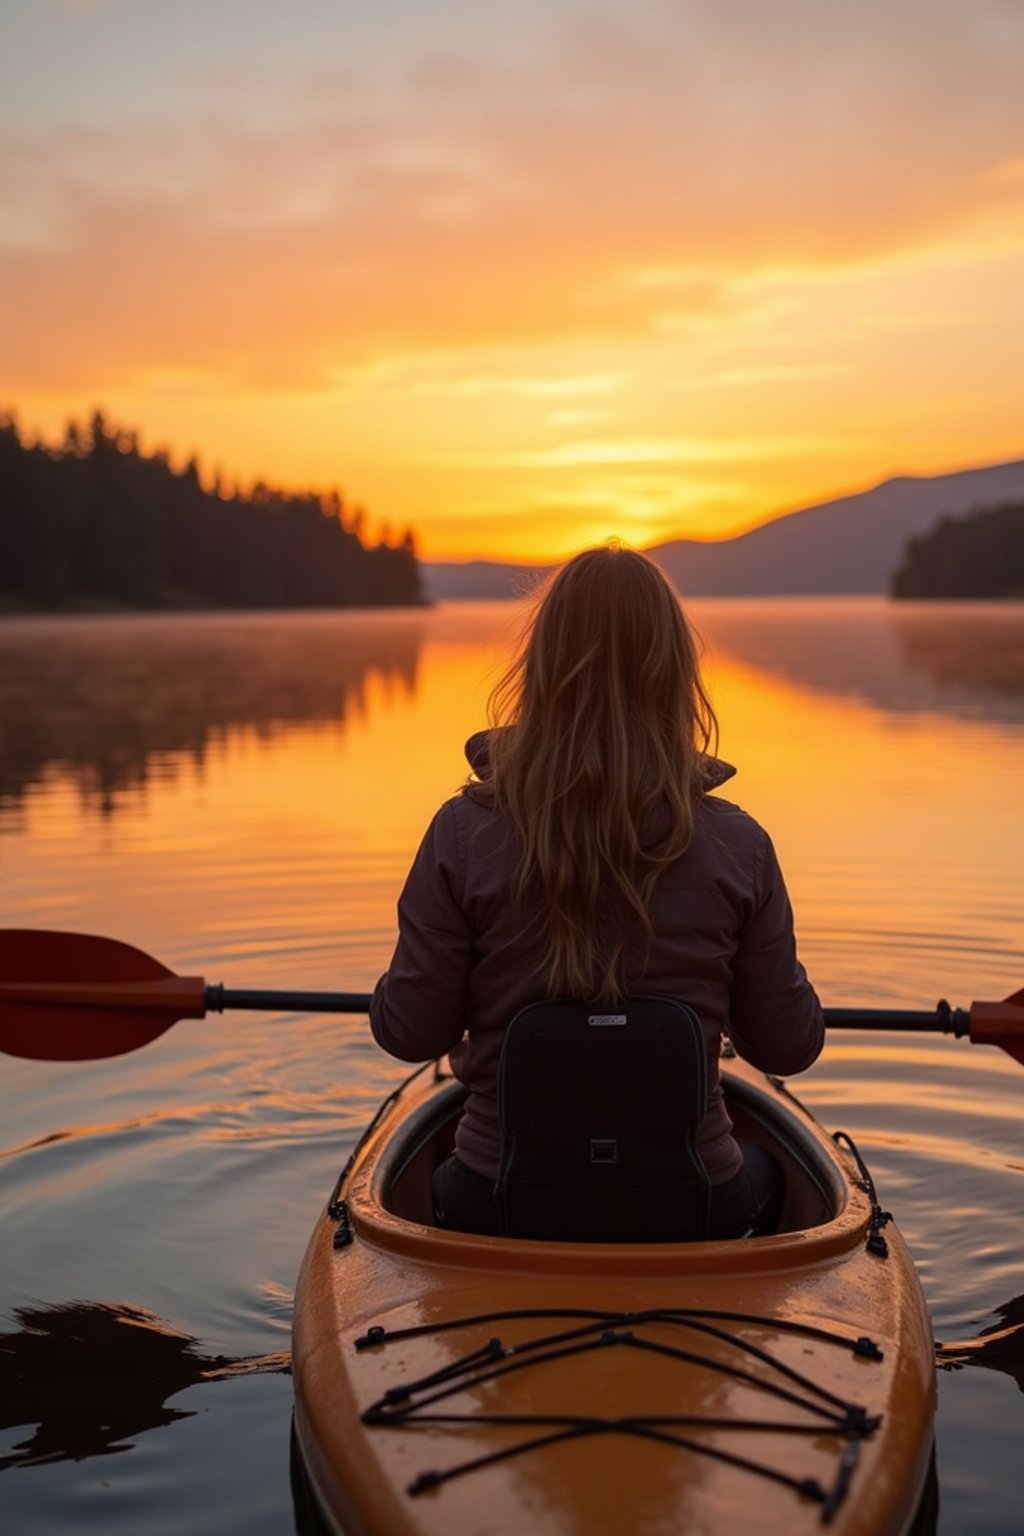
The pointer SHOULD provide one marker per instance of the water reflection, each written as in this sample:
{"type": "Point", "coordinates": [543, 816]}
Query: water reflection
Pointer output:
{"type": "Point", "coordinates": [951, 658]}
{"type": "Point", "coordinates": [93, 1375]}
{"type": "Point", "coordinates": [973, 652]}
{"type": "Point", "coordinates": [998, 1348]}
{"type": "Point", "coordinates": [107, 700]}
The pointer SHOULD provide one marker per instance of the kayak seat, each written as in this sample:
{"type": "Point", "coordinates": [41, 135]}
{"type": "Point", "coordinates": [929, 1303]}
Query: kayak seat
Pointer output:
{"type": "Point", "coordinates": [599, 1109]}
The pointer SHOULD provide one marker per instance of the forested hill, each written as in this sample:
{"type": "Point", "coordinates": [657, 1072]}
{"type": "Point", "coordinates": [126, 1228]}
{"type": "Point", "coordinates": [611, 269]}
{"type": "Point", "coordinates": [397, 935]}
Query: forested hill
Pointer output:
{"type": "Point", "coordinates": [981, 555]}
{"type": "Point", "coordinates": [95, 522]}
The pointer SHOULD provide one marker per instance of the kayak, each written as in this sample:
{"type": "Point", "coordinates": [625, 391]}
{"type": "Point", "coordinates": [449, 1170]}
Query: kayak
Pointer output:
{"type": "Point", "coordinates": [448, 1384]}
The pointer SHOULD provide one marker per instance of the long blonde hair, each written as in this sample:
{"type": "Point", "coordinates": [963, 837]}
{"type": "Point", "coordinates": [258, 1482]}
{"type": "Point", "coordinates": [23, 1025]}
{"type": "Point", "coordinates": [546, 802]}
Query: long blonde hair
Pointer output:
{"type": "Point", "coordinates": [608, 717]}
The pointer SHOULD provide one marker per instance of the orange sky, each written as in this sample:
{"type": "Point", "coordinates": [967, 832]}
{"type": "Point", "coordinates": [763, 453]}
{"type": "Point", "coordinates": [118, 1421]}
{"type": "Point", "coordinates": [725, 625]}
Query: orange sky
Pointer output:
{"type": "Point", "coordinates": [653, 270]}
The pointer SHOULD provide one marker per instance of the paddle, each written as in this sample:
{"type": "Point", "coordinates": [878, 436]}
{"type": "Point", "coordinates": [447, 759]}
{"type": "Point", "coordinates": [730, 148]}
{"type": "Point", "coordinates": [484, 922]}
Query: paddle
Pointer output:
{"type": "Point", "coordinates": [75, 997]}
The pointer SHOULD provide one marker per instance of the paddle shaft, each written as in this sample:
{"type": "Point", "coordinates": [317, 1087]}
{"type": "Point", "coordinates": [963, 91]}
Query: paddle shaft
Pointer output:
{"type": "Point", "coordinates": [221, 999]}
{"type": "Point", "coordinates": [192, 997]}
{"type": "Point", "coordinates": [983, 1023]}
{"type": "Point", "coordinates": [941, 1019]}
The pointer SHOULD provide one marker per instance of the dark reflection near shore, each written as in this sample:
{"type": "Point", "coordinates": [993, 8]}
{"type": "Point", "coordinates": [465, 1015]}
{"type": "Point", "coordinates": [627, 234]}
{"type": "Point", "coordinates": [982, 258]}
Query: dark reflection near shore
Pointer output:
{"type": "Point", "coordinates": [998, 1348]}
{"type": "Point", "coordinates": [979, 652]}
{"type": "Point", "coordinates": [93, 1375]}
{"type": "Point", "coordinates": [104, 700]}
{"type": "Point", "coordinates": [956, 659]}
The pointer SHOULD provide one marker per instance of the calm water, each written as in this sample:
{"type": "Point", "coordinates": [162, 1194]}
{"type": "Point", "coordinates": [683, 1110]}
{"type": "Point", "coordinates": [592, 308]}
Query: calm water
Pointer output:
{"type": "Point", "coordinates": [240, 796]}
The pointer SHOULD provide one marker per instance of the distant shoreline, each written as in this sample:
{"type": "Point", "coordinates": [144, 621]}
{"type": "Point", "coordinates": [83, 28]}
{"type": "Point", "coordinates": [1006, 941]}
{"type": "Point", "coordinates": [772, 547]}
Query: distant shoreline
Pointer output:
{"type": "Point", "coordinates": [13, 613]}
{"type": "Point", "coordinates": [96, 610]}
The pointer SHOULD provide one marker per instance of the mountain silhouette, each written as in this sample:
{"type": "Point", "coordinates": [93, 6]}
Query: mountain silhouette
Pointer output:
{"type": "Point", "coordinates": [852, 544]}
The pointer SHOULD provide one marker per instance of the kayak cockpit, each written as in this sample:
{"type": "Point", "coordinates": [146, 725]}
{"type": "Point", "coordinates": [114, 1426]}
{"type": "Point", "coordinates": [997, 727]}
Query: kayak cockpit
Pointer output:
{"type": "Point", "coordinates": [815, 1191]}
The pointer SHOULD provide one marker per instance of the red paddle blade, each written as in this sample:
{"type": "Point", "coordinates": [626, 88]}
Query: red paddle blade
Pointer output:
{"type": "Point", "coordinates": [1000, 1024]}
{"type": "Point", "coordinates": [76, 997]}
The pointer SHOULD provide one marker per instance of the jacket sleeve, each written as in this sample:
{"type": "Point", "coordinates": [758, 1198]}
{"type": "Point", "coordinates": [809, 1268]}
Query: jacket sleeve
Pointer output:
{"type": "Point", "coordinates": [776, 1021]}
{"type": "Point", "coordinates": [418, 1009]}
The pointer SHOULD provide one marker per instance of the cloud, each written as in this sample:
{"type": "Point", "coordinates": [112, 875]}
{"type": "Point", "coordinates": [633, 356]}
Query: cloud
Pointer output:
{"type": "Point", "coordinates": [515, 384]}
{"type": "Point", "coordinates": [766, 373]}
{"type": "Point", "coordinates": [88, 5]}
{"type": "Point", "coordinates": [626, 183]}
{"type": "Point", "coordinates": [672, 450]}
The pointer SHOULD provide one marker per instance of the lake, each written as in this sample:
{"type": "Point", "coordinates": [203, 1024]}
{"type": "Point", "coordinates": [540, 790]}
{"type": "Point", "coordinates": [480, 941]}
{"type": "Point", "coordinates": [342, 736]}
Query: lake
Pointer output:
{"type": "Point", "coordinates": [240, 795]}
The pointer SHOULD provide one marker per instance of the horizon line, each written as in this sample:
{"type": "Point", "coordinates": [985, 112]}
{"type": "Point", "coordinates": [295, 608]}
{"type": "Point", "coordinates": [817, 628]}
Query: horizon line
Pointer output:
{"type": "Point", "coordinates": [546, 563]}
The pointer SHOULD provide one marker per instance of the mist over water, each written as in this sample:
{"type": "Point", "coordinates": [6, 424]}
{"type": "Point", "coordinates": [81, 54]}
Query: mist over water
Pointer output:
{"type": "Point", "coordinates": [241, 795]}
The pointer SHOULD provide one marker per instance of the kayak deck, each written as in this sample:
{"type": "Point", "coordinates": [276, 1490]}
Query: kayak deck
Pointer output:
{"type": "Point", "coordinates": [449, 1383]}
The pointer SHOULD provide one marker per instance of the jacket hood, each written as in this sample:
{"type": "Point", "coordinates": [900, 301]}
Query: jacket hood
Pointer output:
{"type": "Point", "coordinates": [715, 771]}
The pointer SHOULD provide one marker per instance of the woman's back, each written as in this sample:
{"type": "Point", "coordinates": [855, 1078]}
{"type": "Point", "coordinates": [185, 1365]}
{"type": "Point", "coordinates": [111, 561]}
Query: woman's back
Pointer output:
{"type": "Point", "coordinates": [588, 859]}
{"type": "Point", "coordinates": [722, 942]}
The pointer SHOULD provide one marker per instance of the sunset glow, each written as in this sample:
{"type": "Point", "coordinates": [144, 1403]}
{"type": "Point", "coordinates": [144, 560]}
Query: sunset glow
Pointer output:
{"type": "Point", "coordinates": [522, 278]}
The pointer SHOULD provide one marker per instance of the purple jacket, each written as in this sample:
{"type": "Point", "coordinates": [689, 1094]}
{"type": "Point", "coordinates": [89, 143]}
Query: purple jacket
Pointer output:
{"type": "Point", "coordinates": [724, 943]}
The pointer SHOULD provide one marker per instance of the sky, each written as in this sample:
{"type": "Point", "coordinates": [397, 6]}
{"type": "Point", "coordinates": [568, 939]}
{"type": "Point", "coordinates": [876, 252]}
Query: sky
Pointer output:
{"type": "Point", "coordinates": [523, 277]}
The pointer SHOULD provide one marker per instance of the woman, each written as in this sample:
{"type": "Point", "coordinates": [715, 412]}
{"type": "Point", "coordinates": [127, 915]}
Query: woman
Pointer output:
{"type": "Point", "coordinates": [588, 859]}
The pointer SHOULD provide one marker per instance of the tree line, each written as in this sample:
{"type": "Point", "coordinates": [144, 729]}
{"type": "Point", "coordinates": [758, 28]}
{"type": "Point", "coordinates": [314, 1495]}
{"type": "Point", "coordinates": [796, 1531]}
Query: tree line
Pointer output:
{"type": "Point", "coordinates": [980, 555]}
{"type": "Point", "coordinates": [93, 521]}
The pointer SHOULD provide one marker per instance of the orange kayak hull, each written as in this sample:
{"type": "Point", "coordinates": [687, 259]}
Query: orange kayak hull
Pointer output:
{"type": "Point", "coordinates": [707, 1387]}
